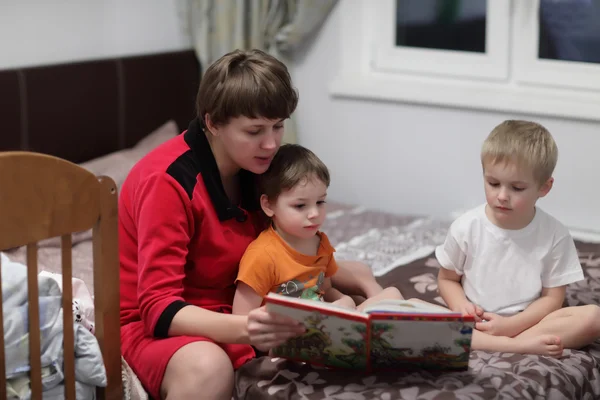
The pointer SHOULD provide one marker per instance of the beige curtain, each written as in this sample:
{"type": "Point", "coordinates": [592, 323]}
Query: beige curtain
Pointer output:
{"type": "Point", "coordinates": [276, 26]}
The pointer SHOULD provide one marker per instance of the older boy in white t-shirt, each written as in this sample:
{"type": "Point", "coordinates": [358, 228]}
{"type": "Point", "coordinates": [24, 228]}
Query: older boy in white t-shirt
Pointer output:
{"type": "Point", "coordinates": [507, 262]}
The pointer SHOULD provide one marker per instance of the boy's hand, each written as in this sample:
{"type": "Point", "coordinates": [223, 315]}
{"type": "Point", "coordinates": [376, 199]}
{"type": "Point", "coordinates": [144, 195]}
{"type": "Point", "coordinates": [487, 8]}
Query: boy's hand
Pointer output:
{"type": "Point", "coordinates": [473, 310]}
{"type": "Point", "coordinates": [496, 325]}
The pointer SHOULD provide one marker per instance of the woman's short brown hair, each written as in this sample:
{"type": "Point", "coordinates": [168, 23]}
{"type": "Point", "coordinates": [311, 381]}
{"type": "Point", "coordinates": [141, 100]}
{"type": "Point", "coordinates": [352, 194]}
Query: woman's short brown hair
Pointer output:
{"type": "Point", "coordinates": [249, 83]}
{"type": "Point", "coordinates": [291, 165]}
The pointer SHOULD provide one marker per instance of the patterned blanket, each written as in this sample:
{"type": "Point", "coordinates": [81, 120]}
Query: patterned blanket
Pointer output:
{"type": "Point", "coordinates": [400, 251]}
{"type": "Point", "coordinates": [395, 246]}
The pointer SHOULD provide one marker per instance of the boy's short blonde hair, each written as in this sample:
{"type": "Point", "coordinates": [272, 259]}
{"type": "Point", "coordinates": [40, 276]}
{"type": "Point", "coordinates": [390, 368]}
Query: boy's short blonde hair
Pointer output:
{"type": "Point", "coordinates": [291, 165]}
{"type": "Point", "coordinates": [527, 143]}
{"type": "Point", "coordinates": [249, 83]}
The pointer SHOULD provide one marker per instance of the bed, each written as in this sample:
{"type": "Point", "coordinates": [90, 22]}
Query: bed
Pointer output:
{"type": "Point", "coordinates": [138, 102]}
{"type": "Point", "coordinates": [400, 250]}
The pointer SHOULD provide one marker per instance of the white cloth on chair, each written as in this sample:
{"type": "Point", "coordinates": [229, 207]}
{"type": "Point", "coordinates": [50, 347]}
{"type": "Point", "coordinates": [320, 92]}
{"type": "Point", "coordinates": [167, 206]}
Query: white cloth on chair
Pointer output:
{"type": "Point", "coordinates": [89, 366]}
{"type": "Point", "coordinates": [83, 304]}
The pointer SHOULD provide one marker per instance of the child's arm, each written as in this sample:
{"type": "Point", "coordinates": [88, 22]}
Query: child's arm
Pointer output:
{"type": "Point", "coordinates": [356, 278]}
{"type": "Point", "coordinates": [550, 300]}
{"type": "Point", "coordinates": [332, 295]}
{"type": "Point", "coordinates": [255, 279]}
{"type": "Point", "coordinates": [452, 257]}
{"type": "Point", "coordinates": [454, 295]}
{"type": "Point", "coordinates": [561, 269]}
{"type": "Point", "coordinates": [245, 299]}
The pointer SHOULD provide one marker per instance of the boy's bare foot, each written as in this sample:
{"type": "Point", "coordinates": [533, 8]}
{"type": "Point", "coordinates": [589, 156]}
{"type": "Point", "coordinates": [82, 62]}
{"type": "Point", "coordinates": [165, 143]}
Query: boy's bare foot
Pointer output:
{"type": "Point", "coordinates": [545, 345]}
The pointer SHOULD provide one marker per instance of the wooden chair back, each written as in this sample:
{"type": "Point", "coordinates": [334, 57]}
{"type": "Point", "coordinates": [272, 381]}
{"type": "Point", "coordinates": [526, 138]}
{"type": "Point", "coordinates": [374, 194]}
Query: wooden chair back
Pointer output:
{"type": "Point", "coordinates": [41, 197]}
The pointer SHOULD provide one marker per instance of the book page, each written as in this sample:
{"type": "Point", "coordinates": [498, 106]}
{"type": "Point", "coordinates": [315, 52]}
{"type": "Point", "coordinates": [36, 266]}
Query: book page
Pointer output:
{"type": "Point", "coordinates": [295, 302]}
{"type": "Point", "coordinates": [407, 343]}
{"type": "Point", "coordinates": [407, 306]}
{"type": "Point", "coordinates": [332, 339]}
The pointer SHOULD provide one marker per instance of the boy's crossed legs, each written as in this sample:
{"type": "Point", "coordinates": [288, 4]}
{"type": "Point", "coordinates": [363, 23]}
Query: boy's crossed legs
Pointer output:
{"type": "Point", "coordinates": [569, 328]}
{"type": "Point", "coordinates": [541, 343]}
{"type": "Point", "coordinates": [565, 328]}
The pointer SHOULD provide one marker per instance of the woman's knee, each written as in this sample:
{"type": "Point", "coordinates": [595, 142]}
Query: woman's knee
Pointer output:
{"type": "Point", "coordinates": [392, 292]}
{"type": "Point", "coordinates": [198, 367]}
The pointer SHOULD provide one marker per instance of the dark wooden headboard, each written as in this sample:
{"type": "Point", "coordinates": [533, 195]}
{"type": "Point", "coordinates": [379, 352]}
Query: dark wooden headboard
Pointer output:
{"type": "Point", "coordinates": [79, 111]}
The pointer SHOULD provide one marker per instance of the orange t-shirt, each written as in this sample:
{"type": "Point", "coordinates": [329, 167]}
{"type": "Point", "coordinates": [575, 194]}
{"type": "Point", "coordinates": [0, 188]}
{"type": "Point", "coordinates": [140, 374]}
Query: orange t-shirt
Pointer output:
{"type": "Point", "coordinates": [271, 265]}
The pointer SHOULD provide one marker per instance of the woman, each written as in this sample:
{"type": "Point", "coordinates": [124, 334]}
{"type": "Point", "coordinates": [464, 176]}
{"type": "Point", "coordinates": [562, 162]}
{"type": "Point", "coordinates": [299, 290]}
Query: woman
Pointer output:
{"type": "Point", "coordinates": [187, 212]}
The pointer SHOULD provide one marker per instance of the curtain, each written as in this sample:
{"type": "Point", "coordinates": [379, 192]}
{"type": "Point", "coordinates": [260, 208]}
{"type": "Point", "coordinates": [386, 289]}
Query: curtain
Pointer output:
{"type": "Point", "coordinates": [278, 27]}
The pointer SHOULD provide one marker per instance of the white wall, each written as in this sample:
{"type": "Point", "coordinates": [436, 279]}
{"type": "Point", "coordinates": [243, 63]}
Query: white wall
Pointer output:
{"type": "Point", "coordinates": [34, 32]}
{"type": "Point", "coordinates": [418, 159]}
{"type": "Point", "coordinates": [397, 157]}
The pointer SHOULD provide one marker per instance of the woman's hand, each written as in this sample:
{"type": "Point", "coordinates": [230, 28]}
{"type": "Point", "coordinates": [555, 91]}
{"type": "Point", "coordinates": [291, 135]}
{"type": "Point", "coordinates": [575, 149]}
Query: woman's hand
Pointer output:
{"type": "Point", "coordinates": [267, 330]}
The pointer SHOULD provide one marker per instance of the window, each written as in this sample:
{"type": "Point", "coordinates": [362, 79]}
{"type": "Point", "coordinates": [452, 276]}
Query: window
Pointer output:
{"type": "Point", "coordinates": [424, 32]}
{"type": "Point", "coordinates": [533, 56]}
{"type": "Point", "coordinates": [441, 25]}
{"type": "Point", "coordinates": [563, 43]}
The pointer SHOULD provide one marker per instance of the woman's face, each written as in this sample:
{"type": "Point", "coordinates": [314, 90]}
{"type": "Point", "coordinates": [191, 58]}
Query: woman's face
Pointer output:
{"type": "Point", "coordinates": [250, 143]}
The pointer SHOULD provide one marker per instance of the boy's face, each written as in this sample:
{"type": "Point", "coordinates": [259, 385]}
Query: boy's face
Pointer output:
{"type": "Point", "coordinates": [511, 193]}
{"type": "Point", "coordinates": [298, 213]}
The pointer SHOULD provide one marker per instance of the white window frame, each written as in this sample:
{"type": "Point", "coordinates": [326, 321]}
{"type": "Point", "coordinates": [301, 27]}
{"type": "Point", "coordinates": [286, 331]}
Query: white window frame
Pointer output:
{"type": "Point", "coordinates": [493, 64]}
{"type": "Point", "coordinates": [368, 69]}
{"type": "Point", "coordinates": [529, 69]}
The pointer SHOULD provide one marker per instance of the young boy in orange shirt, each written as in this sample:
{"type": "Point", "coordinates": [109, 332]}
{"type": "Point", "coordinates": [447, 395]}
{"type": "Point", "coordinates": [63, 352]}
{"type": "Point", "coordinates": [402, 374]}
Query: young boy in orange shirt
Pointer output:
{"type": "Point", "coordinates": [292, 257]}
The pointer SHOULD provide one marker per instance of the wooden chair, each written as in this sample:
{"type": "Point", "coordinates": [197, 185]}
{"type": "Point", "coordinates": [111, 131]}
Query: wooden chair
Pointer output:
{"type": "Point", "coordinates": [42, 197]}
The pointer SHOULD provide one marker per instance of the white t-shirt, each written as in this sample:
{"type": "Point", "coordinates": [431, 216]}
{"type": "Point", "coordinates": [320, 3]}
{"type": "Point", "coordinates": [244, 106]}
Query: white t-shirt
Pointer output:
{"type": "Point", "coordinates": [503, 271]}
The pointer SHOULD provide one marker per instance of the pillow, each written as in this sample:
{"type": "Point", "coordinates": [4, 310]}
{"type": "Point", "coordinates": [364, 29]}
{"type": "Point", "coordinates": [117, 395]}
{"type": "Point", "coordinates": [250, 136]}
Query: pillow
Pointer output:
{"type": "Point", "coordinates": [117, 165]}
{"type": "Point", "coordinates": [165, 132]}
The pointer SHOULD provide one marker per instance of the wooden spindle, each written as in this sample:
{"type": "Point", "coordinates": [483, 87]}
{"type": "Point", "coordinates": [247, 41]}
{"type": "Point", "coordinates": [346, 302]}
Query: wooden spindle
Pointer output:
{"type": "Point", "coordinates": [106, 301]}
{"type": "Point", "coordinates": [2, 356]}
{"type": "Point", "coordinates": [68, 327]}
{"type": "Point", "coordinates": [35, 358]}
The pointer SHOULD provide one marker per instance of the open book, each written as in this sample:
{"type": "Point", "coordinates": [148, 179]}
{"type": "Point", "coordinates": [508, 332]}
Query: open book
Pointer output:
{"type": "Point", "coordinates": [390, 335]}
